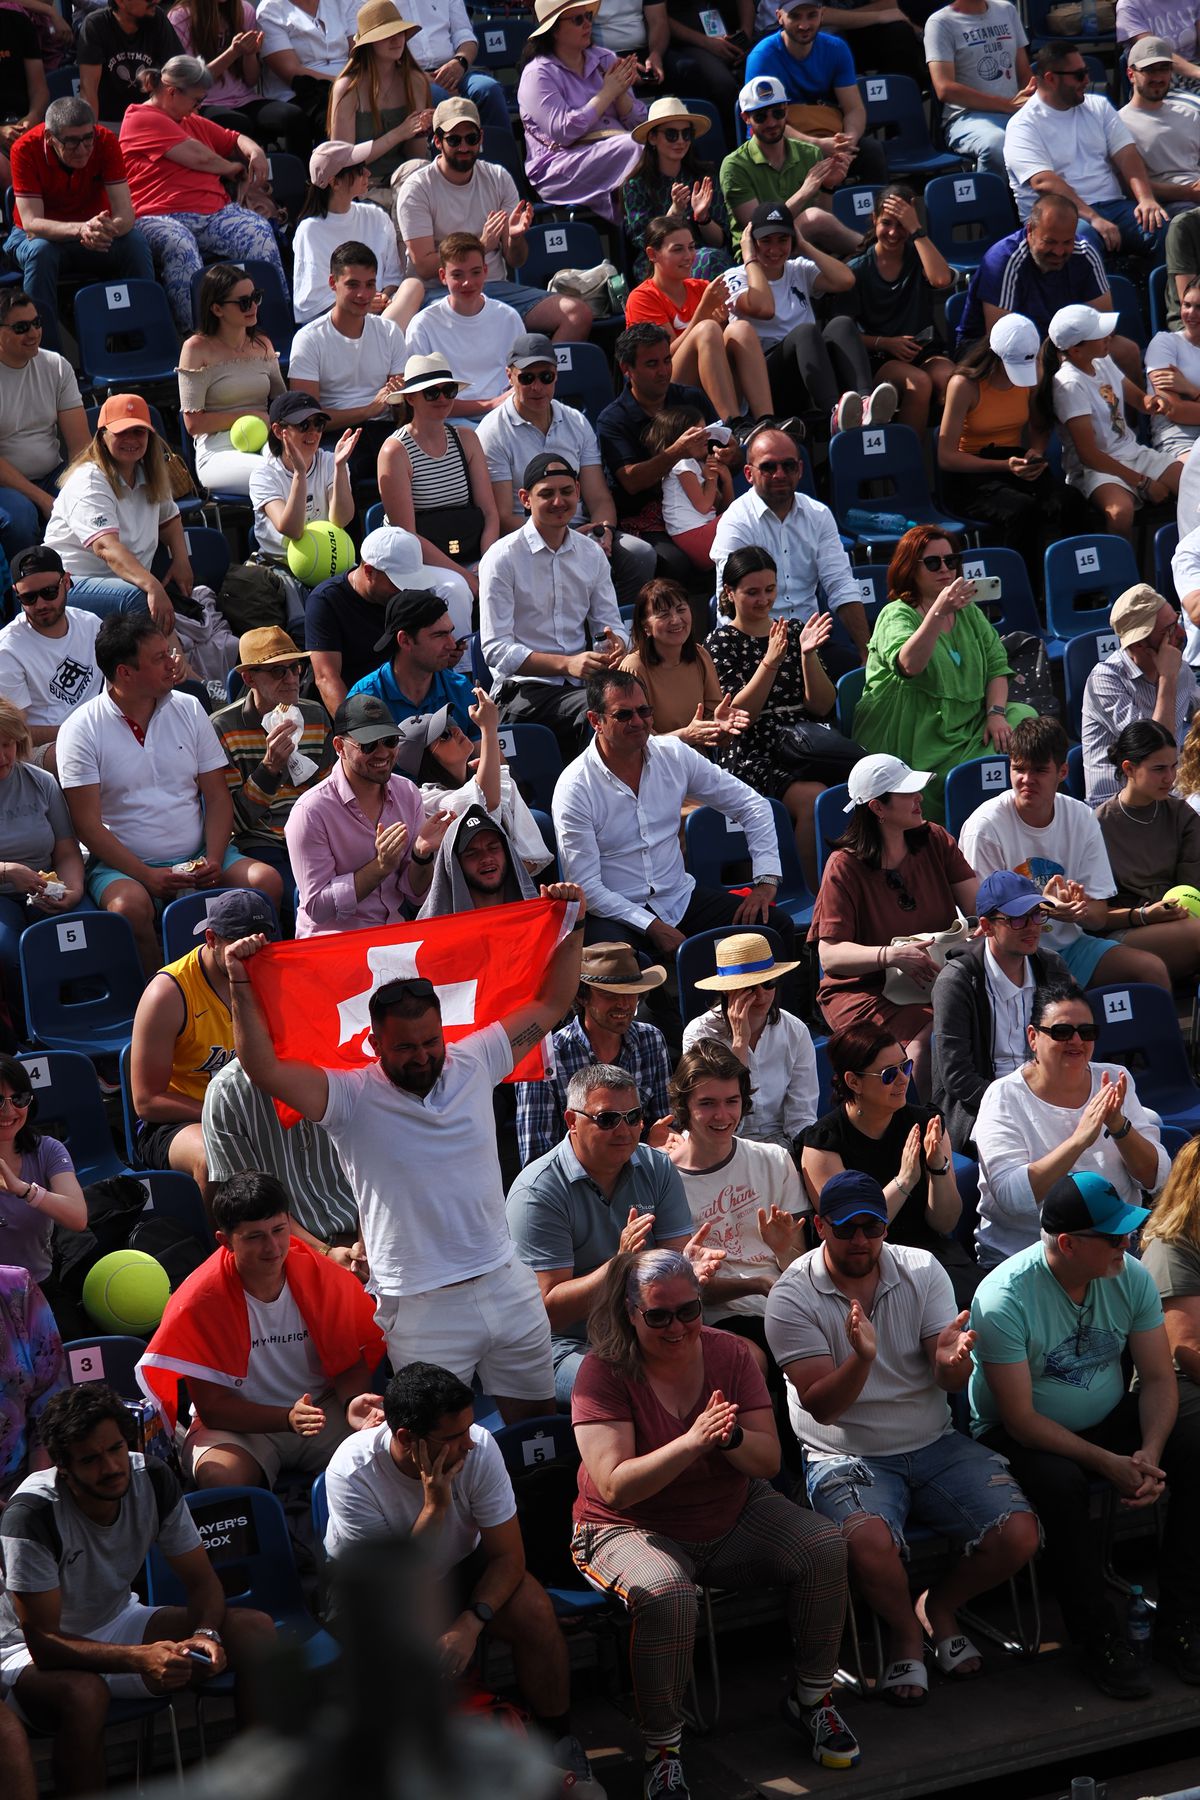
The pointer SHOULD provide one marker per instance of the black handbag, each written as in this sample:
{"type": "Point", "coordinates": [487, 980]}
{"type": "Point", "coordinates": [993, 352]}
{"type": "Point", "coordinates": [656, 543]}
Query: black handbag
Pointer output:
{"type": "Point", "coordinates": [818, 752]}
{"type": "Point", "coordinates": [456, 530]}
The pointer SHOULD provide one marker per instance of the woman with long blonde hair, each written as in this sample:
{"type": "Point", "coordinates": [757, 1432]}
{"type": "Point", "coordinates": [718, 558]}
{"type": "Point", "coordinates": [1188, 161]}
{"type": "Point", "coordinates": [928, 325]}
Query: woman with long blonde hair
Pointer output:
{"type": "Point", "coordinates": [383, 95]}
{"type": "Point", "coordinates": [1171, 1254]}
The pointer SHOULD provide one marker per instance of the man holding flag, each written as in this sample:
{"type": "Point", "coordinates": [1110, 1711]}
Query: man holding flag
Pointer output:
{"type": "Point", "coordinates": [416, 1134]}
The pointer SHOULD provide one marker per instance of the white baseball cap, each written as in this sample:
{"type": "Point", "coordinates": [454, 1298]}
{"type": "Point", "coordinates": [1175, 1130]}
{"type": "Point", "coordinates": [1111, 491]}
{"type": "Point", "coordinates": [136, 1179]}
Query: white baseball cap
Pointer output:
{"type": "Point", "coordinates": [874, 776]}
{"type": "Point", "coordinates": [1073, 325]}
{"type": "Point", "coordinates": [764, 90]}
{"type": "Point", "coordinates": [397, 554]}
{"type": "Point", "coordinates": [1015, 340]}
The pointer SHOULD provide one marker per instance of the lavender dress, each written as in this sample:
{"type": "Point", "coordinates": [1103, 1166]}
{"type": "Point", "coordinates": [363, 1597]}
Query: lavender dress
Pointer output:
{"type": "Point", "coordinates": [556, 111]}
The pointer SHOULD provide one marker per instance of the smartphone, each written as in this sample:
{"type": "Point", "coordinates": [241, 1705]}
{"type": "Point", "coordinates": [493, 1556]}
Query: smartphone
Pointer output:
{"type": "Point", "coordinates": [200, 1656]}
{"type": "Point", "coordinates": [739, 40]}
{"type": "Point", "coordinates": [988, 587]}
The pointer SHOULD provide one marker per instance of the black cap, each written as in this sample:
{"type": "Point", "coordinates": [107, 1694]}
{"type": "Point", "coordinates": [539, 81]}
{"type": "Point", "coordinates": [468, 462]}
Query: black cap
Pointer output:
{"type": "Point", "coordinates": [770, 217]}
{"type": "Point", "coordinates": [293, 409]}
{"type": "Point", "coordinates": [548, 463]}
{"type": "Point", "coordinates": [36, 559]}
{"type": "Point", "coordinates": [239, 913]}
{"type": "Point", "coordinates": [411, 609]}
{"type": "Point", "coordinates": [473, 823]}
{"type": "Point", "coordinates": [364, 718]}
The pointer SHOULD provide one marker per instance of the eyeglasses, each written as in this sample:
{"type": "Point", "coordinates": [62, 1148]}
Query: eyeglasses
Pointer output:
{"type": "Point", "coordinates": [22, 326]}
{"type": "Point", "coordinates": [457, 138]}
{"type": "Point", "coordinates": [624, 715]}
{"type": "Point", "coordinates": [41, 593]}
{"type": "Point", "coordinates": [870, 1228]}
{"type": "Point", "coordinates": [18, 1102]}
{"type": "Point", "coordinates": [675, 134]}
{"type": "Point", "coordinates": [770, 112]}
{"type": "Point", "coordinates": [1071, 74]}
{"type": "Point", "coordinates": [77, 142]}
{"type": "Point", "coordinates": [244, 302]}
{"type": "Point", "coordinates": [790, 465]}
{"type": "Point", "coordinates": [904, 899]}
{"type": "Point", "coordinates": [891, 1074]}
{"type": "Point", "coordinates": [934, 563]}
{"type": "Point", "coordinates": [1063, 1033]}
{"type": "Point", "coordinates": [609, 1120]}
{"type": "Point", "coordinates": [274, 671]}
{"type": "Point", "coordinates": [659, 1317]}
{"type": "Point", "coordinates": [547, 377]}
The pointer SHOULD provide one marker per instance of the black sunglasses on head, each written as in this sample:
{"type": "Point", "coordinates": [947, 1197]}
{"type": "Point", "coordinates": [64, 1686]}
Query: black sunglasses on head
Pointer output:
{"type": "Point", "coordinates": [417, 987]}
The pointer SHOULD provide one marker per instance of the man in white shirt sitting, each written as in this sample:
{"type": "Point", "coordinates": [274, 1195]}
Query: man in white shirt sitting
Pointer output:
{"type": "Point", "coordinates": [544, 591]}
{"type": "Point", "coordinates": [802, 536]}
{"type": "Point", "coordinates": [982, 1000]}
{"type": "Point", "coordinates": [427, 1471]}
{"type": "Point", "coordinates": [48, 661]}
{"type": "Point", "coordinates": [472, 334]}
{"type": "Point", "coordinates": [1165, 126]}
{"type": "Point", "coordinates": [446, 48]}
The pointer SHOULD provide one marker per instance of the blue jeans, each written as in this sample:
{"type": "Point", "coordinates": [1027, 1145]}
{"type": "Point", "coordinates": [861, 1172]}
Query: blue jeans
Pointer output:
{"type": "Point", "coordinates": [981, 135]}
{"type": "Point", "coordinates": [42, 264]}
{"type": "Point", "coordinates": [488, 96]}
{"type": "Point", "coordinates": [954, 1486]}
{"type": "Point", "coordinates": [1134, 241]}
{"type": "Point", "coordinates": [104, 594]}
{"type": "Point", "coordinates": [21, 522]}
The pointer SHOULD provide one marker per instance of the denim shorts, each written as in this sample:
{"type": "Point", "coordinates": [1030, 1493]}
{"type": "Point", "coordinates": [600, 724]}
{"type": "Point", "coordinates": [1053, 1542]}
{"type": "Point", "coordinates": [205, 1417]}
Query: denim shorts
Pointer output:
{"type": "Point", "coordinates": [1083, 956]}
{"type": "Point", "coordinates": [101, 875]}
{"type": "Point", "coordinates": [954, 1486]}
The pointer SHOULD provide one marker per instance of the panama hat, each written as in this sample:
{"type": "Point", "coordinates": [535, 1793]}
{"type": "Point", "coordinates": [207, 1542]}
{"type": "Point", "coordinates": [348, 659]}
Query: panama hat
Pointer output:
{"type": "Point", "coordinates": [548, 12]}
{"type": "Point", "coordinates": [745, 959]}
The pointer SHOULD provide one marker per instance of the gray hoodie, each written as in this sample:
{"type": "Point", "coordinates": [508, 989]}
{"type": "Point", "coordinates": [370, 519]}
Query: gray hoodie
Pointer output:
{"type": "Point", "coordinates": [448, 891]}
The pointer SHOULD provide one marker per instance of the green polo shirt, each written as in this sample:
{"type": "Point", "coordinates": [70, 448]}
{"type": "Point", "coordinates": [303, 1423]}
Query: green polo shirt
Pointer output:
{"type": "Point", "coordinates": [747, 175]}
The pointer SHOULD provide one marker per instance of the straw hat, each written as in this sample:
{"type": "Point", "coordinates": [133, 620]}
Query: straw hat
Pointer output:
{"type": "Point", "coordinates": [547, 12]}
{"type": "Point", "coordinates": [616, 967]}
{"type": "Point", "coordinates": [380, 19]}
{"type": "Point", "coordinates": [422, 372]}
{"type": "Point", "coordinates": [745, 959]}
{"type": "Point", "coordinates": [669, 111]}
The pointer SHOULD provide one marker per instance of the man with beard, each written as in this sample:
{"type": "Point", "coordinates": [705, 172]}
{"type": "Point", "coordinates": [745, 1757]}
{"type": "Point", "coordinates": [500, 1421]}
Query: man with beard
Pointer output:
{"type": "Point", "coordinates": [772, 165]}
{"type": "Point", "coordinates": [1067, 141]}
{"type": "Point", "coordinates": [420, 675]}
{"type": "Point", "coordinates": [1165, 126]}
{"type": "Point", "coordinates": [1037, 269]}
{"type": "Point", "coordinates": [48, 661]}
{"type": "Point", "coordinates": [459, 192]}
{"type": "Point", "coordinates": [416, 1134]}
{"type": "Point", "coordinates": [475, 868]}
{"type": "Point", "coordinates": [72, 1632]}
{"type": "Point", "coordinates": [41, 416]}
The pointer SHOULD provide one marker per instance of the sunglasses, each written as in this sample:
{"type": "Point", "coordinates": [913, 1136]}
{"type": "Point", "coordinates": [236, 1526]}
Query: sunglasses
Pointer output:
{"type": "Point", "coordinates": [41, 593]}
{"type": "Point", "coordinates": [448, 392]}
{"type": "Point", "coordinates": [275, 671]}
{"type": "Point", "coordinates": [1062, 1034]}
{"type": "Point", "coordinates": [319, 422]}
{"type": "Point", "coordinates": [934, 563]}
{"type": "Point", "coordinates": [893, 1072]}
{"type": "Point", "coordinates": [547, 377]}
{"type": "Point", "coordinates": [419, 987]}
{"type": "Point", "coordinates": [1071, 74]}
{"type": "Point", "coordinates": [904, 899]}
{"type": "Point", "coordinates": [789, 466]}
{"type": "Point", "coordinates": [770, 112]}
{"type": "Point", "coordinates": [24, 325]}
{"type": "Point", "coordinates": [624, 715]}
{"type": "Point", "coordinates": [383, 743]}
{"type": "Point", "coordinates": [457, 138]}
{"type": "Point", "coordinates": [676, 134]}
{"type": "Point", "coordinates": [1114, 1239]}
{"type": "Point", "coordinates": [659, 1317]}
{"type": "Point", "coordinates": [870, 1228]}
{"type": "Point", "coordinates": [18, 1102]}
{"type": "Point", "coordinates": [1034, 916]}
{"type": "Point", "coordinates": [609, 1120]}
{"type": "Point", "coordinates": [245, 302]}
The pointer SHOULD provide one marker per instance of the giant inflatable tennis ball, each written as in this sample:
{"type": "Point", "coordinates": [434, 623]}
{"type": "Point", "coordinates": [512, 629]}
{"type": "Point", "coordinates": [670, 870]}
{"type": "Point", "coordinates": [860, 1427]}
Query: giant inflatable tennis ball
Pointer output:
{"type": "Point", "coordinates": [126, 1291]}
{"type": "Point", "coordinates": [248, 434]}
{"type": "Point", "coordinates": [320, 551]}
{"type": "Point", "coordinates": [1187, 897]}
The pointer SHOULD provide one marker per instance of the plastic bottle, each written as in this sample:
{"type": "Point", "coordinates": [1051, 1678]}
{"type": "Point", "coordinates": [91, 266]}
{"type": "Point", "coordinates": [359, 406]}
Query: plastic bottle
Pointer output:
{"type": "Point", "coordinates": [1089, 25]}
{"type": "Point", "coordinates": [1137, 1626]}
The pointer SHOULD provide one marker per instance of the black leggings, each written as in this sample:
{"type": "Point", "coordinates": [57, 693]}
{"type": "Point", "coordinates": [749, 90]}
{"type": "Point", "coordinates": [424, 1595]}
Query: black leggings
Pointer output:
{"type": "Point", "coordinates": [814, 364]}
{"type": "Point", "coordinates": [267, 122]}
{"type": "Point", "coordinates": [1028, 515]}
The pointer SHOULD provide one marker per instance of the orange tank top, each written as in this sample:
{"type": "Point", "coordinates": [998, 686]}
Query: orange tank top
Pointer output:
{"type": "Point", "coordinates": [999, 416]}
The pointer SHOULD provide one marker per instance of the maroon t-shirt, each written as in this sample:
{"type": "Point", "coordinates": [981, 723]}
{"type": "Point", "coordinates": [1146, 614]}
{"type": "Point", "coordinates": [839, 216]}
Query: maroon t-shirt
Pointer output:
{"type": "Point", "coordinates": [703, 1502]}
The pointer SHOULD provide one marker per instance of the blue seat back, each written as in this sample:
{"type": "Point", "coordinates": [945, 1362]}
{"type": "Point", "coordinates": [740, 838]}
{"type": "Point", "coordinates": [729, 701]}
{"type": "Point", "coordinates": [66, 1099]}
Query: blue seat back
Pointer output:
{"type": "Point", "coordinates": [1091, 569]}
{"type": "Point", "coordinates": [245, 1533]}
{"type": "Point", "coordinates": [871, 581]}
{"type": "Point", "coordinates": [82, 978]}
{"type": "Point", "coordinates": [289, 182]}
{"type": "Point", "coordinates": [1080, 657]}
{"type": "Point", "coordinates": [535, 759]}
{"type": "Point", "coordinates": [1016, 609]}
{"type": "Point", "coordinates": [584, 380]}
{"type": "Point", "coordinates": [501, 42]}
{"type": "Point", "coordinates": [966, 213]}
{"type": "Point", "coordinates": [879, 453]}
{"type": "Point", "coordinates": [830, 819]}
{"type": "Point", "coordinates": [849, 692]}
{"type": "Point", "coordinates": [1075, 784]}
{"type": "Point", "coordinates": [108, 1359]}
{"type": "Point", "coordinates": [126, 334]}
{"type": "Point", "coordinates": [70, 1107]}
{"type": "Point", "coordinates": [1131, 321]}
{"type": "Point", "coordinates": [1157, 285]}
{"type": "Point", "coordinates": [696, 959]}
{"type": "Point", "coordinates": [854, 207]}
{"type": "Point", "coordinates": [181, 917]}
{"type": "Point", "coordinates": [719, 841]}
{"type": "Point", "coordinates": [128, 1117]}
{"type": "Point", "coordinates": [545, 825]}
{"type": "Point", "coordinates": [1139, 1028]}
{"type": "Point", "coordinates": [318, 1502]}
{"type": "Point", "coordinates": [560, 244]}
{"type": "Point", "coordinates": [714, 145]}
{"type": "Point", "coordinates": [896, 111]}
{"type": "Point", "coordinates": [970, 784]}
{"type": "Point", "coordinates": [535, 1448]}
{"type": "Point", "coordinates": [208, 553]}
{"type": "Point", "coordinates": [954, 306]}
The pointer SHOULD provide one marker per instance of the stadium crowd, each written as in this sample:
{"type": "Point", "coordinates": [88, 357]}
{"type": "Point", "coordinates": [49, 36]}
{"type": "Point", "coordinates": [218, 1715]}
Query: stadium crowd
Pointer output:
{"type": "Point", "coordinates": [447, 466]}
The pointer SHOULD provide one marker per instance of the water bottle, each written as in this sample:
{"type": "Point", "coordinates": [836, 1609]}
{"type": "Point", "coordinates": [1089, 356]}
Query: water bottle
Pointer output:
{"type": "Point", "coordinates": [1089, 25]}
{"type": "Point", "coordinates": [1137, 1626]}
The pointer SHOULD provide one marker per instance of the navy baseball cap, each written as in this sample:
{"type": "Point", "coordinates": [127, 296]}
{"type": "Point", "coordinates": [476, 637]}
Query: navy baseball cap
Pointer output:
{"type": "Point", "coordinates": [1007, 892]}
{"type": "Point", "coordinates": [852, 1195]}
{"type": "Point", "coordinates": [238, 913]}
{"type": "Point", "coordinates": [1086, 1203]}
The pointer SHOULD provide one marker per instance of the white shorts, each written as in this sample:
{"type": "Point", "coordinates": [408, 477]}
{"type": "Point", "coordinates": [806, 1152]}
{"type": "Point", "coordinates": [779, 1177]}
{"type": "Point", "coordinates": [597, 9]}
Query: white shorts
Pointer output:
{"type": "Point", "coordinates": [129, 1627]}
{"type": "Point", "coordinates": [1142, 457]}
{"type": "Point", "coordinates": [495, 1326]}
{"type": "Point", "coordinates": [273, 1450]}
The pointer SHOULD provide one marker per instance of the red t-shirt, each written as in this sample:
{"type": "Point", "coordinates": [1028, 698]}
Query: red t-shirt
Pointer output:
{"type": "Point", "coordinates": [66, 194]}
{"type": "Point", "coordinates": [703, 1502]}
{"type": "Point", "coordinates": [159, 185]}
{"type": "Point", "coordinates": [648, 304]}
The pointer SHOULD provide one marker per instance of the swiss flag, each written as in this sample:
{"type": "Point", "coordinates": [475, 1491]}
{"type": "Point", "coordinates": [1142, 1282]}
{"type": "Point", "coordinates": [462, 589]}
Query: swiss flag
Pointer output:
{"type": "Point", "coordinates": [315, 992]}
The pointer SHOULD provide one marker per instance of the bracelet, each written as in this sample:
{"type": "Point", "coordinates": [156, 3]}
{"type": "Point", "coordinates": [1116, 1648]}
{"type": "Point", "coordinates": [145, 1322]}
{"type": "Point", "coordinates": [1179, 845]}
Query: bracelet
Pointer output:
{"type": "Point", "coordinates": [901, 1189]}
{"type": "Point", "coordinates": [1124, 1132]}
{"type": "Point", "coordinates": [733, 1441]}
{"type": "Point", "coordinates": [423, 860]}
{"type": "Point", "coordinates": [930, 1170]}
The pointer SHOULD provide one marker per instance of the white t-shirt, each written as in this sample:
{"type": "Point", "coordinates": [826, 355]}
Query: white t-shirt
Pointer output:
{"type": "Point", "coordinates": [1168, 137]}
{"type": "Point", "coordinates": [317, 239]}
{"type": "Point", "coordinates": [728, 1199]}
{"type": "Point", "coordinates": [982, 47]}
{"type": "Point", "coordinates": [148, 793]}
{"type": "Point", "coordinates": [271, 481]}
{"type": "Point", "coordinates": [1171, 350]}
{"type": "Point", "coordinates": [1072, 844]}
{"type": "Point", "coordinates": [426, 1172]}
{"type": "Point", "coordinates": [783, 1075]}
{"type": "Point", "coordinates": [369, 1497]}
{"type": "Point", "coordinates": [1185, 564]}
{"type": "Point", "coordinates": [1077, 145]}
{"type": "Point", "coordinates": [31, 399]}
{"type": "Point", "coordinates": [48, 677]}
{"type": "Point", "coordinates": [1098, 396]}
{"type": "Point", "coordinates": [1174, 20]}
{"type": "Point", "coordinates": [429, 206]}
{"type": "Point", "coordinates": [348, 371]}
{"type": "Point", "coordinates": [792, 293]}
{"type": "Point", "coordinates": [679, 515]}
{"type": "Point", "coordinates": [86, 507]}
{"type": "Point", "coordinates": [1011, 1007]}
{"type": "Point", "coordinates": [476, 349]}
{"type": "Point", "coordinates": [283, 1360]}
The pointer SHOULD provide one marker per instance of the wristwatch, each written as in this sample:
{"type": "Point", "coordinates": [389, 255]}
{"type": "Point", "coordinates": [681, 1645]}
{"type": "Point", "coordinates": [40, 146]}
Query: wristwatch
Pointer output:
{"type": "Point", "coordinates": [767, 881]}
{"type": "Point", "coordinates": [734, 1439]}
{"type": "Point", "coordinates": [917, 236]}
{"type": "Point", "coordinates": [930, 1170]}
{"type": "Point", "coordinates": [208, 1632]}
{"type": "Point", "coordinates": [1002, 710]}
{"type": "Point", "coordinates": [462, 60]}
{"type": "Point", "coordinates": [483, 1612]}
{"type": "Point", "coordinates": [1116, 1136]}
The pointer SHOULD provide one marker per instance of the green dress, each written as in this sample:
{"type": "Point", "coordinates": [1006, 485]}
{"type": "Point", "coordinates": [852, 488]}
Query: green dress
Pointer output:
{"type": "Point", "coordinates": [933, 720]}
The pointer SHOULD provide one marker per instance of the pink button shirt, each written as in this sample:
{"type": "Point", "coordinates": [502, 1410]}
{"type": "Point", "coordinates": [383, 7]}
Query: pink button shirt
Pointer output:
{"type": "Point", "coordinates": [329, 837]}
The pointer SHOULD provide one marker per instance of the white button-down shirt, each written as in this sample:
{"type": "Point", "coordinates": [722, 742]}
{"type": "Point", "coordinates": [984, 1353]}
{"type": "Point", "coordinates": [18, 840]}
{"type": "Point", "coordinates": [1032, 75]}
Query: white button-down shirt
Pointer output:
{"type": "Point", "coordinates": [1011, 1007]}
{"type": "Point", "coordinates": [533, 598]}
{"type": "Point", "coordinates": [444, 26]}
{"type": "Point", "coordinates": [805, 544]}
{"type": "Point", "coordinates": [1185, 573]}
{"type": "Point", "coordinates": [623, 848]}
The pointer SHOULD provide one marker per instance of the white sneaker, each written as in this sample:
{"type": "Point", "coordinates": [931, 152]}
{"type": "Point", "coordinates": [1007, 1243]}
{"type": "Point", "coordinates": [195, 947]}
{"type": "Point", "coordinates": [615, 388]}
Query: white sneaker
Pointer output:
{"type": "Point", "coordinates": [847, 414]}
{"type": "Point", "coordinates": [880, 404]}
{"type": "Point", "coordinates": [569, 1755]}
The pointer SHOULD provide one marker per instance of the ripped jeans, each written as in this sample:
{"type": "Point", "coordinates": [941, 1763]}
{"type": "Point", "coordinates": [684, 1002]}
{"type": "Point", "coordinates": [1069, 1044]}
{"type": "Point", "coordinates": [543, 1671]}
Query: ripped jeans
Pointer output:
{"type": "Point", "coordinates": [953, 1486]}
